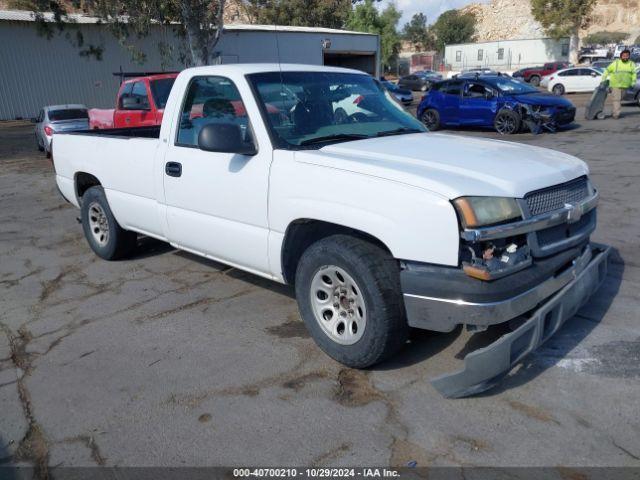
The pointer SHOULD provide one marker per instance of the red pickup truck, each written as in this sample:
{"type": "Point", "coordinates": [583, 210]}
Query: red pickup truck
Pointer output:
{"type": "Point", "coordinates": [140, 103]}
{"type": "Point", "coordinates": [533, 75]}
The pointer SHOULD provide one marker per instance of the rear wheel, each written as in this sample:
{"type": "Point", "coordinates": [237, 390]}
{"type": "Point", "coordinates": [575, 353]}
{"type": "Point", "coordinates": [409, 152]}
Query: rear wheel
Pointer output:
{"type": "Point", "coordinates": [558, 89]}
{"type": "Point", "coordinates": [507, 122]}
{"type": "Point", "coordinates": [431, 119]}
{"type": "Point", "coordinates": [40, 145]}
{"type": "Point", "coordinates": [535, 81]}
{"type": "Point", "coordinates": [348, 292]}
{"type": "Point", "coordinates": [103, 233]}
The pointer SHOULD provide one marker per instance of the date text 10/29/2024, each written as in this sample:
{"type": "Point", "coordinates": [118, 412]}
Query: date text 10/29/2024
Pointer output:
{"type": "Point", "coordinates": [315, 473]}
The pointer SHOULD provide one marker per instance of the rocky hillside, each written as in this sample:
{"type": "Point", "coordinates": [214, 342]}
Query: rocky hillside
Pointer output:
{"type": "Point", "coordinates": [511, 19]}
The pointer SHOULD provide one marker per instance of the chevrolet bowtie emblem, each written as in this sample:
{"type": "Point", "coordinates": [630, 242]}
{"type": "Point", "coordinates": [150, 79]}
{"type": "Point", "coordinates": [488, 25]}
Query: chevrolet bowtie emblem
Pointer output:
{"type": "Point", "coordinates": [574, 212]}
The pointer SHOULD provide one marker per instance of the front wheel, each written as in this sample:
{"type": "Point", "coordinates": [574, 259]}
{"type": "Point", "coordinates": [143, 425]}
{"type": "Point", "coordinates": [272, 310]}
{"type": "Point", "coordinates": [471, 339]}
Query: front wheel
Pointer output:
{"type": "Point", "coordinates": [348, 292]}
{"type": "Point", "coordinates": [103, 233]}
{"type": "Point", "coordinates": [535, 81]}
{"type": "Point", "coordinates": [431, 119]}
{"type": "Point", "coordinates": [507, 122]}
{"type": "Point", "coordinates": [558, 89]}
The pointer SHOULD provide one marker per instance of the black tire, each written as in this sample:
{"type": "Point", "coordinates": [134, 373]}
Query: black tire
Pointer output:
{"type": "Point", "coordinates": [377, 276]}
{"type": "Point", "coordinates": [507, 122]}
{"type": "Point", "coordinates": [118, 242]}
{"type": "Point", "coordinates": [638, 99]}
{"type": "Point", "coordinates": [40, 146]}
{"type": "Point", "coordinates": [558, 89]}
{"type": "Point", "coordinates": [431, 119]}
{"type": "Point", "coordinates": [535, 80]}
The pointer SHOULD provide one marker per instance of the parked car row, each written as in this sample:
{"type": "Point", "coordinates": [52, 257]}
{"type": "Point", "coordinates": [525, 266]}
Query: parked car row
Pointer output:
{"type": "Point", "coordinates": [476, 97]}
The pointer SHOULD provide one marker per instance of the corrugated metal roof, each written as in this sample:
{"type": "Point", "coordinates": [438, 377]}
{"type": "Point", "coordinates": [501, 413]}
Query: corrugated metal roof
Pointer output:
{"type": "Point", "coordinates": [27, 16]}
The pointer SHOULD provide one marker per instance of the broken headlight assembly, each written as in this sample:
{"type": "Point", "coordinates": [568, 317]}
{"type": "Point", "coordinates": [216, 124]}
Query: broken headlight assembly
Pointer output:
{"type": "Point", "coordinates": [482, 211]}
{"type": "Point", "coordinates": [491, 260]}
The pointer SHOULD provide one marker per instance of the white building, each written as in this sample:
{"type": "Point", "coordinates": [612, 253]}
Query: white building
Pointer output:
{"type": "Point", "coordinates": [36, 72]}
{"type": "Point", "coordinates": [506, 55]}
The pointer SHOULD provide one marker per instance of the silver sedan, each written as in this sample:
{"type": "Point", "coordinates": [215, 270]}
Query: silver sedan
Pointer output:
{"type": "Point", "coordinates": [59, 118]}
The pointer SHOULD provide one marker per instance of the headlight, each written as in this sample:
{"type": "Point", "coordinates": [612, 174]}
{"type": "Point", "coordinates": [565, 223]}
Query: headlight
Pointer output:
{"type": "Point", "coordinates": [478, 211]}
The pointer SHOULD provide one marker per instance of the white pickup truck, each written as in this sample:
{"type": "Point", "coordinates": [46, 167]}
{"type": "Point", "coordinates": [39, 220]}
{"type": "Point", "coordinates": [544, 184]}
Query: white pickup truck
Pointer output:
{"type": "Point", "coordinates": [315, 177]}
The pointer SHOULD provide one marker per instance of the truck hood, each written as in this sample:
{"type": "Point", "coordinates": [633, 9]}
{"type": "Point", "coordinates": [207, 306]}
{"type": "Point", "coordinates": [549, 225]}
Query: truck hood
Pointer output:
{"type": "Point", "coordinates": [542, 98]}
{"type": "Point", "coordinates": [451, 165]}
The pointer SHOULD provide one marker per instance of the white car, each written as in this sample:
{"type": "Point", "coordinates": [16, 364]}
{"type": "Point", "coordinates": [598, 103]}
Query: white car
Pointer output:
{"type": "Point", "coordinates": [575, 79]}
{"type": "Point", "coordinates": [378, 224]}
{"type": "Point", "coordinates": [58, 118]}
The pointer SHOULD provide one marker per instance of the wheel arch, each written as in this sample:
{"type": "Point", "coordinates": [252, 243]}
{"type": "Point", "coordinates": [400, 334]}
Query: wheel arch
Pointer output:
{"type": "Point", "coordinates": [83, 181]}
{"type": "Point", "coordinates": [303, 232]}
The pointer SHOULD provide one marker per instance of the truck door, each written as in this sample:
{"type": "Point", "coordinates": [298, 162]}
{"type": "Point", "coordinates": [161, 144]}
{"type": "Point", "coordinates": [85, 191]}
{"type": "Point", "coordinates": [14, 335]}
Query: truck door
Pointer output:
{"type": "Point", "coordinates": [134, 109]}
{"type": "Point", "coordinates": [216, 202]}
{"type": "Point", "coordinates": [478, 105]}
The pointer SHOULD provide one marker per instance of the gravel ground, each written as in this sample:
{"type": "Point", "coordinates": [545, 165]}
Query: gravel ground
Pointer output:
{"type": "Point", "coordinates": [166, 359]}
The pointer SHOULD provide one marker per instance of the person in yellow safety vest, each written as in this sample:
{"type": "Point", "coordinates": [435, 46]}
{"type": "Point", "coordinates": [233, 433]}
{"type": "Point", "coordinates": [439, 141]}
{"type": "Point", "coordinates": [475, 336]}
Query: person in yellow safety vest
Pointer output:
{"type": "Point", "coordinates": [622, 75]}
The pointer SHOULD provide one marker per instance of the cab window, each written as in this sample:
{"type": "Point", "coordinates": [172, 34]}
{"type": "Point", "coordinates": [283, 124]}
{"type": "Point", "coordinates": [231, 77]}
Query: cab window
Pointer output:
{"type": "Point", "coordinates": [139, 92]}
{"type": "Point", "coordinates": [453, 88]}
{"type": "Point", "coordinates": [475, 90]}
{"type": "Point", "coordinates": [210, 100]}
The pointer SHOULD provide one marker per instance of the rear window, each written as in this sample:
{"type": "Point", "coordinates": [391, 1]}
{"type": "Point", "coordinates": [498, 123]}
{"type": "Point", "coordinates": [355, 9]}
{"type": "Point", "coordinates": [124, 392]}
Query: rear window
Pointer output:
{"type": "Point", "coordinates": [69, 114]}
{"type": "Point", "coordinates": [160, 90]}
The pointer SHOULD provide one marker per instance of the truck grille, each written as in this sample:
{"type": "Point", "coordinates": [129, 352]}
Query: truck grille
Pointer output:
{"type": "Point", "coordinates": [554, 198]}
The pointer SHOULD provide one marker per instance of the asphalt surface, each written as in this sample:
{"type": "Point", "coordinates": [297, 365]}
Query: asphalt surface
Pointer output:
{"type": "Point", "coordinates": [166, 359]}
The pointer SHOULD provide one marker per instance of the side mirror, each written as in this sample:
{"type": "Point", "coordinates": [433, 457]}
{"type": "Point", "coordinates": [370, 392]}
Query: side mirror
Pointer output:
{"type": "Point", "coordinates": [488, 95]}
{"type": "Point", "coordinates": [134, 103]}
{"type": "Point", "coordinates": [224, 138]}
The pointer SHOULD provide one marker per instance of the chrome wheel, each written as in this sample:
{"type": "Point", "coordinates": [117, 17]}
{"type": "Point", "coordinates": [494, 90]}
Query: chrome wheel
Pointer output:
{"type": "Point", "coordinates": [98, 224]}
{"type": "Point", "coordinates": [338, 305]}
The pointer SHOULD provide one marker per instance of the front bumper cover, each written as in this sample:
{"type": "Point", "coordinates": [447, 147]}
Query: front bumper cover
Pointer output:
{"type": "Point", "coordinates": [485, 367]}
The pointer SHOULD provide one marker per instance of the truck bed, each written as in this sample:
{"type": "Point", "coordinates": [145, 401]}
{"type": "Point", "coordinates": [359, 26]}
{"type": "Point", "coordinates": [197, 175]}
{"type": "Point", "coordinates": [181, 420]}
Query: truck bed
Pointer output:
{"type": "Point", "coordinates": [130, 132]}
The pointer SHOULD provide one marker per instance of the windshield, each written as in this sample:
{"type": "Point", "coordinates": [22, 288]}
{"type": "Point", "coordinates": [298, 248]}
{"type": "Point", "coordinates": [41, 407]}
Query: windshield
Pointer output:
{"type": "Point", "coordinates": [68, 114]}
{"type": "Point", "coordinates": [511, 86]}
{"type": "Point", "coordinates": [312, 108]}
{"type": "Point", "coordinates": [160, 90]}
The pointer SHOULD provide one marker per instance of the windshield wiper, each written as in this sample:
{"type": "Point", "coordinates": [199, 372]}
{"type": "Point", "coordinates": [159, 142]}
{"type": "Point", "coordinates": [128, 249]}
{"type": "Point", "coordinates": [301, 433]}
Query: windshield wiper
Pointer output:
{"type": "Point", "coordinates": [337, 136]}
{"type": "Point", "coordinates": [398, 131]}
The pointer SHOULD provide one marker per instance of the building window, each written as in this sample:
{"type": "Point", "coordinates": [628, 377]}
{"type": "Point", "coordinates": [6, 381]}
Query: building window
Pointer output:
{"type": "Point", "coordinates": [458, 55]}
{"type": "Point", "coordinates": [565, 49]}
{"type": "Point", "coordinates": [480, 54]}
{"type": "Point", "coordinates": [501, 54]}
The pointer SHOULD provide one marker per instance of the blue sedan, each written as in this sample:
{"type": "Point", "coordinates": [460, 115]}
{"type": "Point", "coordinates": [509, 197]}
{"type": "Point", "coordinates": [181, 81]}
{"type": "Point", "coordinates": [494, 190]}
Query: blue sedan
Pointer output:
{"type": "Point", "coordinates": [496, 101]}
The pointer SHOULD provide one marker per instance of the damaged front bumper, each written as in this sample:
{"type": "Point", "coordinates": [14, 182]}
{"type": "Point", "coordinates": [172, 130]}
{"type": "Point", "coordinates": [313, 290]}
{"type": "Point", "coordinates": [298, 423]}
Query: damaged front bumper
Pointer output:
{"type": "Point", "coordinates": [544, 308]}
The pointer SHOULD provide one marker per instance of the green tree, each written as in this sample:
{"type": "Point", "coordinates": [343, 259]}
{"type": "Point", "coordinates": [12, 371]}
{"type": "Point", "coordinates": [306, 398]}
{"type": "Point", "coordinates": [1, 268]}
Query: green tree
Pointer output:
{"type": "Point", "coordinates": [365, 17]}
{"type": "Point", "coordinates": [418, 34]}
{"type": "Point", "coordinates": [454, 27]}
{"type": "Point", "coordinates": [605, 38]}
{"type": "Point", "coordinates": [564, 18]}
{"type": "Point", "coordinates": [198, 22]}
{"type": "Point", "coordinates": [304, 13]}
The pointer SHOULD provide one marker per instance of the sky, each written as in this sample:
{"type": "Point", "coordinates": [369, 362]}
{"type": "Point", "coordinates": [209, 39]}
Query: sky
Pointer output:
{"type": "Point", "coordinates": [431, 8]}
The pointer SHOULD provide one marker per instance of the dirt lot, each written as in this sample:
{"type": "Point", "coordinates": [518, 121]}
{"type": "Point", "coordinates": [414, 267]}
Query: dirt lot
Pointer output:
{"type": "Point", "coordinates": [167, 359]}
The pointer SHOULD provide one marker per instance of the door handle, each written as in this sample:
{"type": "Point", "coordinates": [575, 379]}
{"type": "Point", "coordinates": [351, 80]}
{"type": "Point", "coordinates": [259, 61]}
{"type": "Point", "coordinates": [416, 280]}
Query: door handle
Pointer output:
{"type": "Point", "coordinates": [173, 169]}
